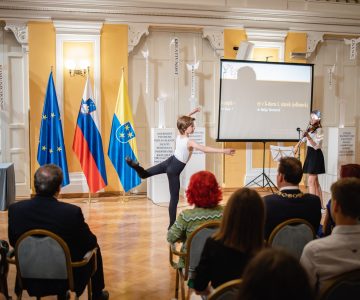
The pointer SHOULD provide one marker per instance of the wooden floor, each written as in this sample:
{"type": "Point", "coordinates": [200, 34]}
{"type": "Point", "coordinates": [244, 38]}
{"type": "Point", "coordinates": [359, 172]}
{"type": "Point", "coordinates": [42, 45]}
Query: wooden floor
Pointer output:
{"type": "Point", "coordinates": [132, 237]}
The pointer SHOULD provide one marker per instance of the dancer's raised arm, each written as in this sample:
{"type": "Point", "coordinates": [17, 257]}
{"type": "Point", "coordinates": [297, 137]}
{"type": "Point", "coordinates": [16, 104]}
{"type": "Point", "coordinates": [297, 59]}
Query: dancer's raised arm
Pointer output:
{"type": "Point", "coordinates": [207, 149]}
{"type": "Point", "coordinates": [194, 111]}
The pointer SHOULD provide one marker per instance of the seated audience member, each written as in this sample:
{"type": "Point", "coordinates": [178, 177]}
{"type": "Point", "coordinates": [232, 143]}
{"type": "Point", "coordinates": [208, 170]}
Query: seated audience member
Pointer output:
{"type": "Point", "coordinates": [45, 211]}
{"type": "Point", "coordinates": [339, 252]}
{"type": "Point", "coordinates": [274, 274]}
{"type": "Point", "coordinates": [289, 202]}
{"type": "Point", "coordinates": [349, 170]}
{"type": "Point", "coordinates": [203, 192]}
{"type": "Point", "coordinates": [238, 239]}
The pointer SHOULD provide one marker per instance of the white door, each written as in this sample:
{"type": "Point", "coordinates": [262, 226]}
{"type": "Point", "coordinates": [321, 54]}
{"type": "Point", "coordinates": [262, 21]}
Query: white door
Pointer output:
{"type": "Point", "coordinates": [14, 125]}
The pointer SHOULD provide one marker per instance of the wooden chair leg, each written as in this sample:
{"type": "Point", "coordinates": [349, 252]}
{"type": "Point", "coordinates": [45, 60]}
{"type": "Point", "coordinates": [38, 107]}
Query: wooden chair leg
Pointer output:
{"type": "Point", "coordinates": [177, 284]}
{"type": "Point", "coordinates": [4, 286]}
{"type": "Point", "coordinates": [89, 289]}
{"type": "Point", "coordinates": [182, 285]}
{"type": "Point", "coordinates": [19, 296]}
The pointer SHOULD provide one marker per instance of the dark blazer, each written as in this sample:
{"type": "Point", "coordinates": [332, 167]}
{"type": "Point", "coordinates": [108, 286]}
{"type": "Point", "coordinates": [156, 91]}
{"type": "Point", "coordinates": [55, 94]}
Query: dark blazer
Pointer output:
{"type": "Point", "coordinates": [281, 208]}
{"type": "Point", "coordinates": [219, 264]}
{"type": "Point", "coordinates": [63, 219]}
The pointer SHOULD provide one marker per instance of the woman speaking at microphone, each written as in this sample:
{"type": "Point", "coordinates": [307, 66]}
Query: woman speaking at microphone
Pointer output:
{"type": "Point", "coordinates": [314, 161]}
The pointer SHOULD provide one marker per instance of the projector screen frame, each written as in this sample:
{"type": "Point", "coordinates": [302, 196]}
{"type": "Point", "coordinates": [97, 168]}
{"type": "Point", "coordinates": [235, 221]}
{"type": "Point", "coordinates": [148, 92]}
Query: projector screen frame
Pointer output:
{"type": "Point", "coordinates": [218, 139]}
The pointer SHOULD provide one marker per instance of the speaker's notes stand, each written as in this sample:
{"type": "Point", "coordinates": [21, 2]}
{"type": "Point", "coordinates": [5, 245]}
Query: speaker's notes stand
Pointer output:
{"type": "Point", "coordinates": [278, 152]}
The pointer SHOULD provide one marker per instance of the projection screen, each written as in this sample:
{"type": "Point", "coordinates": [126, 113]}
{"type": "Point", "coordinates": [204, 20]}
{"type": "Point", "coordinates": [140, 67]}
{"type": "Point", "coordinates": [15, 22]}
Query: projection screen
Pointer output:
{"type": "Point", "coordinates": [263, 101]}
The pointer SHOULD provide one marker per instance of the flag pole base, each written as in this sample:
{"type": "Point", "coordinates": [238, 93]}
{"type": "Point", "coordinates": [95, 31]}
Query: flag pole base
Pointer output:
{"type": "Point", "coordinates": [89, 200]}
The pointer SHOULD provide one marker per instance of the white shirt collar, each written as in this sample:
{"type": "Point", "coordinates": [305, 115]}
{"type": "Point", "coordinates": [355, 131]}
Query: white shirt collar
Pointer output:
{"type": "Point", "coordinates": [346, 229]}
{"type": "Point", "coordinates": [289, 187]}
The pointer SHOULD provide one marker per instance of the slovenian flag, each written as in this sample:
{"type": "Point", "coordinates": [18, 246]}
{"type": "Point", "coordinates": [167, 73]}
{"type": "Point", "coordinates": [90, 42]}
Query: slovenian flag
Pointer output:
{"type": "Point", "coordinates": [87, 143]}
{"type": "Point", "coordinates": [123, 139]}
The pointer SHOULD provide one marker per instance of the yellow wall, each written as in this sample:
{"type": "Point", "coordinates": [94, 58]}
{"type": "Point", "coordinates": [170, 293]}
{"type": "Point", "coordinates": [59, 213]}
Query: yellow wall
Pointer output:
{"type": "Point", "coordinates": [295, 42]}
{"type": "Point", "coordinates": [42, 55]}
{"type": "Point", "coordinates": [41, 58]}
{"type": "Point", "coordinates": [232, 38]}
{"type": "Point", "coordinates": [235, 167]}
{"type": "Point", "coordinates": [263, 54]}
{"type": "Point", "coordinates": [114, 49]}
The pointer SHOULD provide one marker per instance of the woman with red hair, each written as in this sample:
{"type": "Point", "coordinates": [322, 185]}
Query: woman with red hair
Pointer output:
{"type": "Point", "coordinates": [205, 194]}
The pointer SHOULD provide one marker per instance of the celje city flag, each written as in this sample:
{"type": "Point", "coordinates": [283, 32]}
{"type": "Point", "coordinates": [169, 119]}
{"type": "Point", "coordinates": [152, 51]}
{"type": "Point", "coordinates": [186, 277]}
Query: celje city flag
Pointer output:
{"type": "Point", "coordinates": [123, 139]}
{"type": "Point", "coordinates": [51, 149]}
{"type": "Point", "coordinates": [87, 143]}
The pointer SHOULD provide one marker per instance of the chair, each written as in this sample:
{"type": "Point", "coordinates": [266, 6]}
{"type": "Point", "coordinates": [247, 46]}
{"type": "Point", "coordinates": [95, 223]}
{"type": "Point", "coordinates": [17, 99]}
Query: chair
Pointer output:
{"type": "Point", "coordinates": [292, 235]}
{"type": "Point", "coordinates": [227, 291]}
{"type": "Point", "coordinates": [4, 268]}
{"type": "Point", "coordinates": [194, 246]}
{"type": "Point", "coordinates": [43, 255]}
{"type": "Point", "coordinates": [345, 286]}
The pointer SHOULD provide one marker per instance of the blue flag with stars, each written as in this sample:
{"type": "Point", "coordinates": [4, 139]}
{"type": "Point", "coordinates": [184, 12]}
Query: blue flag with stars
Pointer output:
{"type": "Point", "coordinates": [51, 149]}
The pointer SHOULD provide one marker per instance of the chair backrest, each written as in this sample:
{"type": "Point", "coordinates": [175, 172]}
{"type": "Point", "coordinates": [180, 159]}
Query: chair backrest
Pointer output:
{"type": "Point", "coordinates": [227, 291]}
{"type": "Point", "coordinates": [195, 245]}
{"type": "Point", "coordinates": [350, 170]}
{"type": "Point", "coordinates": [4, 267]}
{"type": "Point", "coordinates": [41, 254]}
{"type": "Point", "coordinates": [345, 286]}
{"type": "Point", "coordinates": [292, 235]}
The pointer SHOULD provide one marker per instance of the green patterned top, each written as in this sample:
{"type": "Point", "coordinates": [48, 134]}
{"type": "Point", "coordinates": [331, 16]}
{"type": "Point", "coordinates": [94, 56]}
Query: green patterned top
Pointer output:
{"type": "Point", "coordinates": [190, 219]}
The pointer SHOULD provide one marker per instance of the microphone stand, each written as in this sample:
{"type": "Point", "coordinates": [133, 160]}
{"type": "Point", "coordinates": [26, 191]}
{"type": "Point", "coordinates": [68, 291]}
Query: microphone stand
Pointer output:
{"type": "Point", "coordinates": [299, 134]}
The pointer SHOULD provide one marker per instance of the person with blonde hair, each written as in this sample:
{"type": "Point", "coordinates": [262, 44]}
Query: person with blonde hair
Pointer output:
{"type": "Point", "coordinates": [239, 238]}
{"type": "Point", "coordinates": [174, 165]}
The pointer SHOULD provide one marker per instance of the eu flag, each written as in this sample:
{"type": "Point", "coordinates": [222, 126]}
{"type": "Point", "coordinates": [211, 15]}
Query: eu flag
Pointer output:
{"type": "Point", "coordinates": [123, 140]}
{"type": "Point", "coordinates": [51, 149]}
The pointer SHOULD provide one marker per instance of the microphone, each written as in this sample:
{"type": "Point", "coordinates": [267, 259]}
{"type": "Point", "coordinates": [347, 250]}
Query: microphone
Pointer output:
{"type": "Point", "coordinates": [298, 129]}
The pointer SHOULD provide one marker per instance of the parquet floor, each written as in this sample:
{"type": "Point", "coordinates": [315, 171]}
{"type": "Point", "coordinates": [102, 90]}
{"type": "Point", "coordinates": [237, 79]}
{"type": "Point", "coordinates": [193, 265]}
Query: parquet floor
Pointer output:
{"type": "Point", "coordinates": [132, 237]}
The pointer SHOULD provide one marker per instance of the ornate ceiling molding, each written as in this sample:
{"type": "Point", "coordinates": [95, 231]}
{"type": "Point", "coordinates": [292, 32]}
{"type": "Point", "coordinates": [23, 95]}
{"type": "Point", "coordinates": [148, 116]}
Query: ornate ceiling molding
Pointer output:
{"type": "Point", "coordinates": [135, 32]}
{"type": "Point", "coordinates": [216, 39]}
{"type": "Point", "coordinates": [20, 30]}
{"type": "Point", "coordinates": [292, 15]}
{"type": "Point", "coordinates": [313, 39]}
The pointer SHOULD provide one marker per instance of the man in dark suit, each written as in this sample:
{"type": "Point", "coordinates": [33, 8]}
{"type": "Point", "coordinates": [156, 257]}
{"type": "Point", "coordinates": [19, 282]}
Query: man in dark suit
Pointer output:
{"type": "Point", "coordinates": [44, 211]}
{"type": "Point", "coordinates": [290, 202]}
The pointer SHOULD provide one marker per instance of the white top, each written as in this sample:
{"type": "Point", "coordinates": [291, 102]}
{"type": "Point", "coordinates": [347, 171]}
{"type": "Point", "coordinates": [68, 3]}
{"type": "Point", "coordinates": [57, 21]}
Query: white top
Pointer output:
{"type": "Point", "coordinates": [182, 152]}
{"type": "Point", "coordinates": [332, 255]}
{"type": "Point", "coordinates": [317, 136]}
